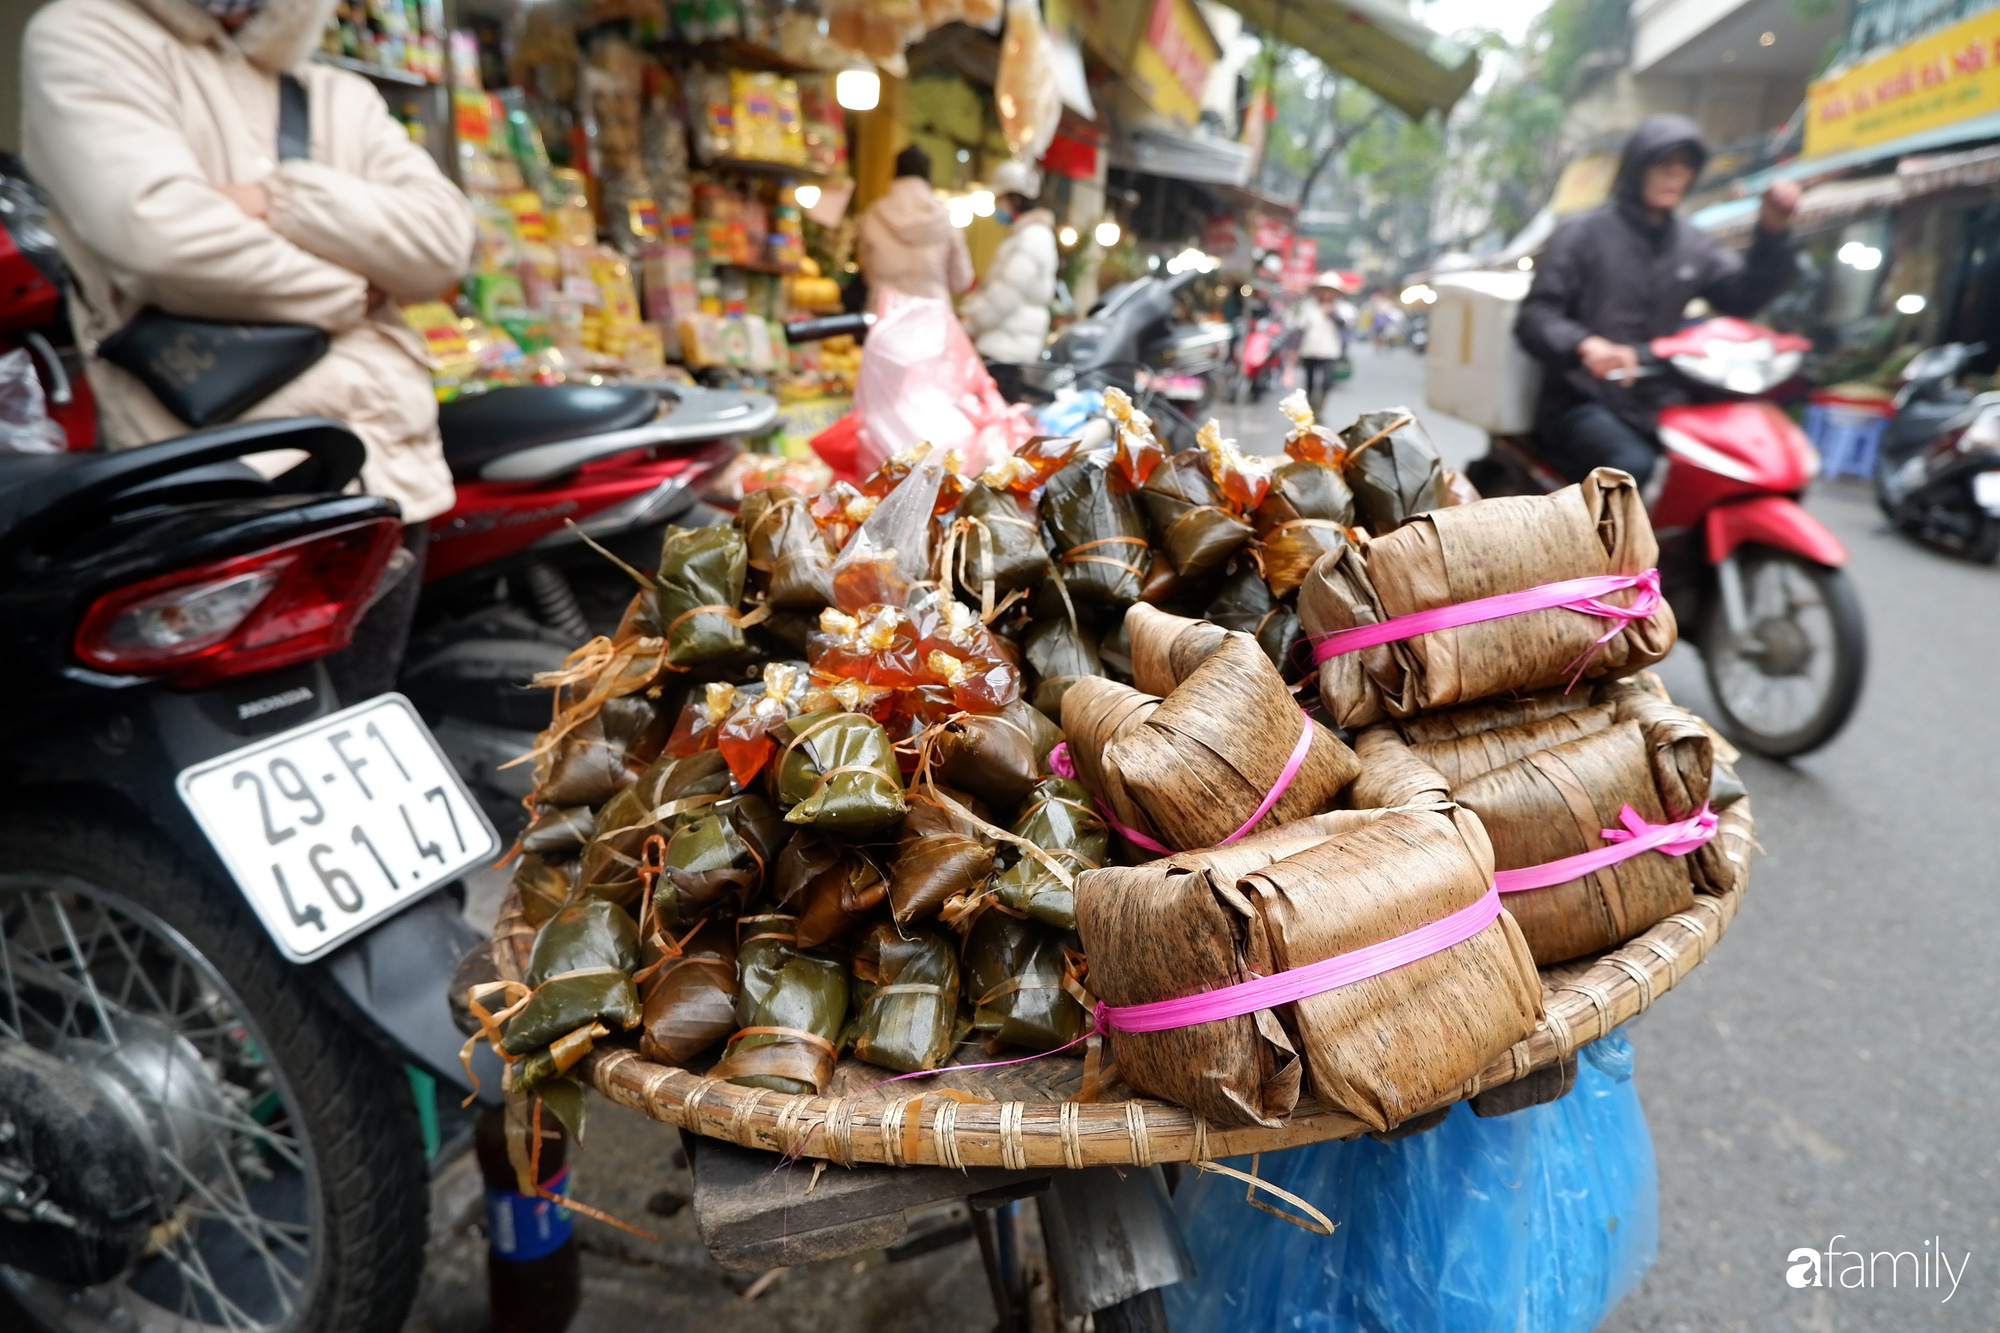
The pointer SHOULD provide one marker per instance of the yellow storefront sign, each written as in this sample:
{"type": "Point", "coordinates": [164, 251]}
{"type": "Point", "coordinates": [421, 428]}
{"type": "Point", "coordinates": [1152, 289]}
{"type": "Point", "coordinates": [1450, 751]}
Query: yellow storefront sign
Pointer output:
{"type": "Point", "coordinates": [1937, 80]}
{"type": "Point", "coordinates": [1171, 61]}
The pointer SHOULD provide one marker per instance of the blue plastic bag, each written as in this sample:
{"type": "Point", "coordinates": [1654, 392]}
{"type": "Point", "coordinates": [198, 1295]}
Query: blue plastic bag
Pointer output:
{"type": "Point", "coordinates": [1536, 1222]}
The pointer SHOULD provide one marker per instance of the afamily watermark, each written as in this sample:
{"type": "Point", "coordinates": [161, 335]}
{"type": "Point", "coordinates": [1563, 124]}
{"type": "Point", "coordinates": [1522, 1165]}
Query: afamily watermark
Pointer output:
{"type": "Point", "coordinates": [1929, 1270]}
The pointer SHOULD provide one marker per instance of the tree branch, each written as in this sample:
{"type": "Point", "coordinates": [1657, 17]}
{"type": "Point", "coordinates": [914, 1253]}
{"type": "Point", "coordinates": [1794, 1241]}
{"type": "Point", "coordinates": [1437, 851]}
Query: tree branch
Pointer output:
{"type": "Point", "coordinates": [1342, 136]}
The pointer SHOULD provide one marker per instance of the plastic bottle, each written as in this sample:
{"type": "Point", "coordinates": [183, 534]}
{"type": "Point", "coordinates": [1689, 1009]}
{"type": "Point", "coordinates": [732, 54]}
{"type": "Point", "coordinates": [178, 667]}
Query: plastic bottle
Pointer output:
{"type": "Point", "coordinates": [534, 1278]}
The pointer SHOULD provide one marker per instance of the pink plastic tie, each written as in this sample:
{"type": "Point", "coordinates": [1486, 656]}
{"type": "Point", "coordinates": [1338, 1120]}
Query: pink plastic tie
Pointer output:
{"type": "Point", "coordinates": [1063, 766]}
{"type": "Point", "coordinates": [1298, 983]}
{"type": "Point", "coordinates": [1584, 595]}
{"type": "Point", "coordinates": [1675, 839]}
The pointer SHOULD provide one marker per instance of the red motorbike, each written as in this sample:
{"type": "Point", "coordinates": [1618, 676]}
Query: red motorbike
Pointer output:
{"type": "Point", "coordinates": [1755, 580]}
{"type": "Point", "coordinates": [510, 584]}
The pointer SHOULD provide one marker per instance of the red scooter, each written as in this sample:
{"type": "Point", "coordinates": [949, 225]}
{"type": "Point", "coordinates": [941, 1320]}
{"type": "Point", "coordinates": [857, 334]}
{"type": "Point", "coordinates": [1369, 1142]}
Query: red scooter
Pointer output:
{"type": "Point", "coordinates": [1755, 580]}
{"type": "Point", "coordinates": [510, 584]}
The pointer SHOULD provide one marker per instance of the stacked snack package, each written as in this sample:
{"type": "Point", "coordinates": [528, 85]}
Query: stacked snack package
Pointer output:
{"type": "Point", "coordinates": [938, 769]}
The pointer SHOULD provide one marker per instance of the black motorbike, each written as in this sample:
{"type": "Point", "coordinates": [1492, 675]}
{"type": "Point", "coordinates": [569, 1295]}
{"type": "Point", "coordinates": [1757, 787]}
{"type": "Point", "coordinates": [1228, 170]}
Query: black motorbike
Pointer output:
{"type": "Point", "coordinates": [1136, 337]}
{"type": "Point", "coordinates": [1937, 468]}
{"type": "Point", "coordinates": [223, 1023]}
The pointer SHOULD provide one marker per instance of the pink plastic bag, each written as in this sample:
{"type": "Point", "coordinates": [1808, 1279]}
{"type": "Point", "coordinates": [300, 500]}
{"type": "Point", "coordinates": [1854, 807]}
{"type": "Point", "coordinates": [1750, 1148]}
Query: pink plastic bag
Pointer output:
{"type": "Point", "coordinates": [921, 379]}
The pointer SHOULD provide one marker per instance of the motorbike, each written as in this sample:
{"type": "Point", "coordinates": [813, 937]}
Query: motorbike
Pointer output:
{"type": "Point", "coordinates": [1937, 468]}
{"type": "Point", "coordinates": [1261, 359]}
{"type": "Point", "coordinates": [225, 921]}
{"type": "Point", "coordinates": [1134, 338]}
{"type": "Point", "coordinates": [547, 477]}
{"type": "Point", "coordinates": [1758, 580]}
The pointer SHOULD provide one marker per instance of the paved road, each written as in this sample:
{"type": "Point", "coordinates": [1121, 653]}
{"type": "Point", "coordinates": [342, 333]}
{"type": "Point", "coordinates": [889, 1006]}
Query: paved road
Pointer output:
{"type": "Point", "coordinates": [1831, 1070]}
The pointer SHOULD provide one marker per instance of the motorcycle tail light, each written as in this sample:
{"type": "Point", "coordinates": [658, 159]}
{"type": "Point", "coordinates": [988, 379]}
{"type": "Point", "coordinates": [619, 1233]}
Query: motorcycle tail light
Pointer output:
{"type": "Point", "coordinates": [271, 608]}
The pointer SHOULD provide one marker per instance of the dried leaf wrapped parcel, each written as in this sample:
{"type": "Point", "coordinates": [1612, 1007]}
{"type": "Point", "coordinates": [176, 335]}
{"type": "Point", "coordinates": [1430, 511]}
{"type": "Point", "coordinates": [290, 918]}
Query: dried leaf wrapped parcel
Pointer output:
{"type": "Point", "coordinates": [1383, 1049]}
{"type": "Point", "coordinates": [791, 1005]}
{"type": "Point", "coordinates": [1465, 554]}
{"type": "Point", "coordinates": [694, 602]}
{"type": "Point", "coordinates": [1092, 515]}
{"type": "Point", "coordinates": [783, 541]}
{"type": "Point", "coordinates": [580, 971]}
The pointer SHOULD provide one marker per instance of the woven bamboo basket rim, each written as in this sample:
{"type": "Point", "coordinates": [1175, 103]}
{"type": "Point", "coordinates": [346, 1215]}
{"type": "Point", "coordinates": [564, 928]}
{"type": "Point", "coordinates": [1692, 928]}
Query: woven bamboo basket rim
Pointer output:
{"type": "Point", "coordinates": [1582, 1000]}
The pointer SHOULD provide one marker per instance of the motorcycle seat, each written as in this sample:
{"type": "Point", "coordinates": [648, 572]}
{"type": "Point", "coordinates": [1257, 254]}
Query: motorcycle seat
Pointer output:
{"type": "Point", "coordinates": [42, 493]}
{"type": "Point", "coordinates": [482, 428]}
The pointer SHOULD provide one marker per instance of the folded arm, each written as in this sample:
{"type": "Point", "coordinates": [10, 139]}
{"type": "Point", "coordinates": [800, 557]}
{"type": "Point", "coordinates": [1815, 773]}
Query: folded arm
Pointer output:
{"type": "Point", "coordinates": [398, 222]}
{"type": "Point", "coordinates": [105, 143]}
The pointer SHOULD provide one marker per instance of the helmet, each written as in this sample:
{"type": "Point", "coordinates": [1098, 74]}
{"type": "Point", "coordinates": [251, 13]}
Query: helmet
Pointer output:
{"type": "Point", "coordinates": [1015, 177]}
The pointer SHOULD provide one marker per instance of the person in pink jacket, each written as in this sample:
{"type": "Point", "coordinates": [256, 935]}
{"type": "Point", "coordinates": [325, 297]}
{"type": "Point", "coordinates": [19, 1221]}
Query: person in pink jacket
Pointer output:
{"type": "Point", "coordinates": [907, 243]}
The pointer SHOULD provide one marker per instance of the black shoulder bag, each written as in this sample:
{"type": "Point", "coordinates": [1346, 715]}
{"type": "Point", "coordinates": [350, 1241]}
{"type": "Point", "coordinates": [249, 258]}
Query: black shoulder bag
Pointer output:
{"type": "Point", "coordinates": [207, 370]}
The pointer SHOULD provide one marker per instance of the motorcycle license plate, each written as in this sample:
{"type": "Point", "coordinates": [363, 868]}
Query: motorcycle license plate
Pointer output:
{"type": "Point", "coordinates": [1986, 491]}
{"type": "Point", "coordinates": [336, 824]}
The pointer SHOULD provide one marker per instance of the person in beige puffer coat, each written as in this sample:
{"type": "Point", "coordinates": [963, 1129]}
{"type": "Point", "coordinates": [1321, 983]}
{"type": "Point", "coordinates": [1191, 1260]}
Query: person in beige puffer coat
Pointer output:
{"type": "Point", "coordinates": [152, 126]}
{"type": "Point", "coordinates": [907, 243]}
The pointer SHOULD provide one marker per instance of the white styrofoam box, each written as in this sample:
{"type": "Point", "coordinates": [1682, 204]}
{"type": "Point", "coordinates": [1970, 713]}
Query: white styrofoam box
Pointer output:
{"type": "Point", "coordinates": [1474, 369]}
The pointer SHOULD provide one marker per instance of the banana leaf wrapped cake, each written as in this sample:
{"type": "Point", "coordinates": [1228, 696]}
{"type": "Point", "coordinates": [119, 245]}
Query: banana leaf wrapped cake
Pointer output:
{"type": "Point", "coordinates": [1385, 1047]}
{"type": "Point", "coordinates": [1466, 554]}
{"type": "Point", "coordinates": [1548, 777]}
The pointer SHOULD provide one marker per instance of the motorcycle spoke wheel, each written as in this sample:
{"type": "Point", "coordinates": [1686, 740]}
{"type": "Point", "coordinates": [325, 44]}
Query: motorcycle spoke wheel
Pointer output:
{"type": "Point", "coordinates": [107, 986]}
{"type": "Point", "coordinates": [1788, 682]}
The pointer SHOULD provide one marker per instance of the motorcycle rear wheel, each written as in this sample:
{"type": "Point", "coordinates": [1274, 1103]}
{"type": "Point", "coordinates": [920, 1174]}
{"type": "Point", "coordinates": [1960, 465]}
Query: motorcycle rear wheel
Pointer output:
{"type": "Point", "coordinates": [1789, 686]}
{"type": "Point", "coordinates": [303, 1194]}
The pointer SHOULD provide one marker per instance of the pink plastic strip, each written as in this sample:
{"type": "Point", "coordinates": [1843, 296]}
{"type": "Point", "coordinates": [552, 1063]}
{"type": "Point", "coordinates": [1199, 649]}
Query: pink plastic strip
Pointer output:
{"type": "Point", "coordinates": [1572, 594]}
{"type": "Point", "coordinates": [1676, 839]}
{"type": "Point", "coordinates": [1247, 997]}
{"type": "Point", "coordinates": [1063, 766]}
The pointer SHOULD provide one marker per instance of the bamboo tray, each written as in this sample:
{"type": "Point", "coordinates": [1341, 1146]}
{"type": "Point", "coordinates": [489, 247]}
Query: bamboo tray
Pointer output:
{"type": "Point", "coordinates": [1023, 1119]}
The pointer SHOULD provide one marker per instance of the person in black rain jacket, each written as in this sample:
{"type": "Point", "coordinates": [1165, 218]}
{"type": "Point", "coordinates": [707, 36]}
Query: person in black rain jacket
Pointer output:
{"type": "Point", "coordinates": [1613, 279]}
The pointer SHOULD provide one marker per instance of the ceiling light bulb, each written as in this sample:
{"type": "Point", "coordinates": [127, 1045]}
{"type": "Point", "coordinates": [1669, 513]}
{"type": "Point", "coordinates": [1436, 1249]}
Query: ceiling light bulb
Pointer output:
{"type": "Point", "coordinates": [858, 89]}
{"type": "Point", "coordinates": [807, 196]}
{"type": "Point", "coordinates": [1910, 303]}
{"type": "Point", "coordinates": [1067, 236]}
{"type": "Point", "coordinates": [1107, 234]}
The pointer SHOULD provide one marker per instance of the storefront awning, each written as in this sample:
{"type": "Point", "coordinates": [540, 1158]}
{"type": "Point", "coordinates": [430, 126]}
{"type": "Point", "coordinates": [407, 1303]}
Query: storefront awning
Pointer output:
{"type": "Point", "coordinates": [1375, 43]}
{"type": "Point", "coordinates": [1833, 202]}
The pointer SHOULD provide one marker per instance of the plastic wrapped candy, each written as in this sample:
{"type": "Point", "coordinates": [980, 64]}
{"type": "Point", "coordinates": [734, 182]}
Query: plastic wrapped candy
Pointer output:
{"type": "Point", "coordinates": [940, 857]}
{"type": "Point", "coordinates": [839, 510]}
{"type": "Point", "coordinates": [669, 794]}
{"type": "Point", "coordinates": [744, 737]}
{"type": "Point", "coordinates": [1196, 534]}
{"type": "Point", "coordinates": [1060, 652]}
{"type": "Point", "coordinates": [839, 775]}
{"type": "Point", "coordinates": [694, 601]}
{"type": "Point", "coordinates": [1241, 479]}
{"type": "Point", "coordinates": [905, 993]}
{"type": "Point", "coordinates": [1543, 1219]}
{"type": "Point", "coordinates": [1028, 467]}
{"type": "Point", "coordinates": [785, 543]}
{"type": "Point", "coordinates": [1057, 817]}
{"type": "Point", "coordinates": [702, 716]}
{"type": "Point", "coordinates": [791, 1005]}
{"type": "Point", "coordinates": [690, 1003]}
{"type": "Point", "coordinates": [580, 973]}
{"type": "Point", "coordinates": [1135, 449]}
{"type": "Point", "coordinates": [879, 646]}
{"type": "Point", "coordinates": [1099, 534]}
{"type": "Point", "coordinates": [605, 753]}
{"type": "Point", "coordinates": [890, 553]}
{"type": "Point", "coordinates": [716, 861]}
{"type": "Point", "coordinates": [995, 547]}
{"type": "Point", "coordinates": [1393, 468]}
{"type": "Point", "coordinates": [997, 756]}
{"type": "Point", "coordinates": [961, 654]}
{"type": "Point", "coordinates": [1305, 515]}
{"type": "Point", "coordinates": [1307, 440]}
{"type": "Point", "coordinates": [1018, 981]}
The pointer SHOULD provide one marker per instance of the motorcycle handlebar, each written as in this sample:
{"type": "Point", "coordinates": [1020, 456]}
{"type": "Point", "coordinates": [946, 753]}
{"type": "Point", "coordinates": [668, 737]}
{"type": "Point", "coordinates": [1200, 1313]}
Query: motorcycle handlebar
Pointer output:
{"type": "Point", "coordinates": [829, 326]}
